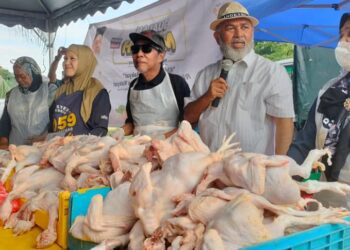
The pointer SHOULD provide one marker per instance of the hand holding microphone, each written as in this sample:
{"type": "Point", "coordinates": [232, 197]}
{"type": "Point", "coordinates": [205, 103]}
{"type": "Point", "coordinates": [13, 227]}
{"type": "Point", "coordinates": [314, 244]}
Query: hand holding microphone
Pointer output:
{"type": "Point", "coordinates": [226, 65]}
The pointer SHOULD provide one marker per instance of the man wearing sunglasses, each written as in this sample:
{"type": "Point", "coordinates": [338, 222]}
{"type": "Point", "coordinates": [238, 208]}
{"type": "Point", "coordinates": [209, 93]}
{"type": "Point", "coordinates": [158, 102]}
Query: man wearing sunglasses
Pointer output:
{"type": "Point", "coordinates": [155, 98]}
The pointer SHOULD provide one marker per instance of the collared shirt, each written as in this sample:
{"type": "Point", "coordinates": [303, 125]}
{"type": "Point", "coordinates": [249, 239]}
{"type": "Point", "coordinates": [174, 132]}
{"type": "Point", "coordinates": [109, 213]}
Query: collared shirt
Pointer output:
{"type": "Point", "coordinates": [179, 84]}
{"type": "Point", "coordinates": [259, 89]}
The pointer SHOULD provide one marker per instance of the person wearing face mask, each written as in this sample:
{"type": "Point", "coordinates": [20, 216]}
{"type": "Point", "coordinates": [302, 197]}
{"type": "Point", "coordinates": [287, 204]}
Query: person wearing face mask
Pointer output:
{"type": "Point", "coordinates": [256, 100]}
{"type": "Point", "coordinates": [328, 123]}
{"type": "Point", "coordinates": [81, 104]}
{"type": "Point", "coordinates": [155, 98]}
{"type": "Point", "coordinates": [26, 112]}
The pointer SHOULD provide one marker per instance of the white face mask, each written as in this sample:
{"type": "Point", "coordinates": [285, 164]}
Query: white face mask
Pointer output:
{"type": "Point", "coordinates": [342, 55]}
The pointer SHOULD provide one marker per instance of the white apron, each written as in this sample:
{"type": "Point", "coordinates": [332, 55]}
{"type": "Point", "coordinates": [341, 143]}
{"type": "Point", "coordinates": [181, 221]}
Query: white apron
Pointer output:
{"type": "Point", "coordinates": [154, 111]}
{"type": "Point", "coordinates": [29, 114]}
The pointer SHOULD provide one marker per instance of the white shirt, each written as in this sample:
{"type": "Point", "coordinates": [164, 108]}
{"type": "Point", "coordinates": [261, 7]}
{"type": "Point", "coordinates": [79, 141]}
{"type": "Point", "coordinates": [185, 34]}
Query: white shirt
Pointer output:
{"type": "Point", "coordinates": [259, 89]}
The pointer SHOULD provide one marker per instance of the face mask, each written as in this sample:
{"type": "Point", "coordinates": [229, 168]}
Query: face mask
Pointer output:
{"type": "Point", "coordinates": [342, 55]}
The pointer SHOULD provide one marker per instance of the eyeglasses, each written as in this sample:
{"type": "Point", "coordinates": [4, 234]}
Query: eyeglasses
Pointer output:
{"type": "Point", "coordinates": [145, 48]}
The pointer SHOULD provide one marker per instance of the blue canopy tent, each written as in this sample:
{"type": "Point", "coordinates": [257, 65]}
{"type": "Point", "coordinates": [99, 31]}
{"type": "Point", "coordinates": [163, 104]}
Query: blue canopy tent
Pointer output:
{"type": "Point", "coordinates": [306, 23]}
{"type": "Point", "coordinates": [309, 24]}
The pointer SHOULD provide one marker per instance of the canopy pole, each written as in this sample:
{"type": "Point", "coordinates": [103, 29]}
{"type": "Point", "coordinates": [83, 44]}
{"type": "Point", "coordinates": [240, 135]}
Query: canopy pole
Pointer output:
{"type": "Point", "coordinates": [50, 46]}
{"type": "Point", "coordinates": [50, 41]}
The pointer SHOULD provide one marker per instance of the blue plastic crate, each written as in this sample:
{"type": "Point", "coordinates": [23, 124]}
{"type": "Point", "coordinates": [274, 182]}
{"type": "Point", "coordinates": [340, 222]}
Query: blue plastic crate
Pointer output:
{"type": "Point", "coordinates": [79, 204]}
{"type": "Point", "coordinates": [324, 237]}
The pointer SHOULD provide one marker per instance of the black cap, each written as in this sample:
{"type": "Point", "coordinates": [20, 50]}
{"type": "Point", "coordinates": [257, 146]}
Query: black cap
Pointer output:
{"type": "Point", "coordinates": [150, 36]}
{"type": "Point", "coordinates": [345, 17]}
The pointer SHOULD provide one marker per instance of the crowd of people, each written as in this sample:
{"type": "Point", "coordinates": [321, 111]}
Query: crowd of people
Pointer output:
{"type": "Point", "coordinates": [255, 99]}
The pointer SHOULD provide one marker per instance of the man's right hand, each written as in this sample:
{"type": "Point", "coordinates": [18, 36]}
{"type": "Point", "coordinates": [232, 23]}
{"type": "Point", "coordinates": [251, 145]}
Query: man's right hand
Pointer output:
{"type": "Point", "coordinates": [217, 88]}
{"type": "Point", "coordinates": [193, 110]}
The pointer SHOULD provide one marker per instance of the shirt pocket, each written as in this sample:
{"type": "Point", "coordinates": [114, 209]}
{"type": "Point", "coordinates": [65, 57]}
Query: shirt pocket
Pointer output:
{"type": "Point", "coordinates": [247, 96]}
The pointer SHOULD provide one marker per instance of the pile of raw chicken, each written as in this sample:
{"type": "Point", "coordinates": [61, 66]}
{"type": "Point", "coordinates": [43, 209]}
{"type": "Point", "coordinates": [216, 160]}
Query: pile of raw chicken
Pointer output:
{"type": "Point", "coordinates": [166, 194]}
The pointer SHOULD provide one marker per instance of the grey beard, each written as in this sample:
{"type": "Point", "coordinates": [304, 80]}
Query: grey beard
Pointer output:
{"type": "Point", "coordinates": [235, 54]}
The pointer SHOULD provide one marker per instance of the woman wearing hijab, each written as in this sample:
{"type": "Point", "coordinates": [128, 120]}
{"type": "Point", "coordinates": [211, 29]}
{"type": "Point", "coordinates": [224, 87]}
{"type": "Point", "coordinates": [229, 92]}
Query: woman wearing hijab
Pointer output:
{"type": "Point", "coordinates": [26, 112]}
{"type": "Point", "coordinates": [81, 104]}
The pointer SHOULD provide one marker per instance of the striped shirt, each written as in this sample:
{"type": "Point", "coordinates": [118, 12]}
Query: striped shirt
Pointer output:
{"type": "Point", "coordinates": [259, 90]}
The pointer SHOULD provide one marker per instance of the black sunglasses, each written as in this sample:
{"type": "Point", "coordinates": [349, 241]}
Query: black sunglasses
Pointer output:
{"type": "Point", "coordinates": [145, 48]}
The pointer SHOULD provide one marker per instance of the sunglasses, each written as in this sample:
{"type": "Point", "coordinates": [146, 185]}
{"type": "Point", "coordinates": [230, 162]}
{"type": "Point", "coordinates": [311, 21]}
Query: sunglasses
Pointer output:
{"type": "Point", "coordinates": [145, 48]}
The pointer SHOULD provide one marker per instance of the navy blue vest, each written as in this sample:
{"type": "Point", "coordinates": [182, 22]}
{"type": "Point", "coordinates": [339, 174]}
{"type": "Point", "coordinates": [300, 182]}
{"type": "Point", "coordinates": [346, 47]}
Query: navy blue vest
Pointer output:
{"type": "Point", "coordinates": [66, 116]}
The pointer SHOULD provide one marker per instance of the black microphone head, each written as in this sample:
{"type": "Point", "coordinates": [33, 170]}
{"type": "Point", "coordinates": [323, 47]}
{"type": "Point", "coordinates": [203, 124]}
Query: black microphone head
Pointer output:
{"type": "Point", "coordinates": [226, 64]}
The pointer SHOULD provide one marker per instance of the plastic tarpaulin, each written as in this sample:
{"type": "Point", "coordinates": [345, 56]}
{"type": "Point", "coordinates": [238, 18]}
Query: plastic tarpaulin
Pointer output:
{"type": "Point", "coordinates": [312, 23]}
{"type": "Point", "coordinates": [308, 23]}
{"type": "Point", "coordinates": [313, 68]}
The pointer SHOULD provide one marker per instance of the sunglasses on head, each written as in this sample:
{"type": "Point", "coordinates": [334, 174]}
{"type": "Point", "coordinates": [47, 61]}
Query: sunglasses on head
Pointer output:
{"type": "Point", "coordinates": [145, 48]}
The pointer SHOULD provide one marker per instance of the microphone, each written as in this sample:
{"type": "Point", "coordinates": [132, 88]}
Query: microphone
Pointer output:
{"type": "Point", "coordinates": [226, 65]}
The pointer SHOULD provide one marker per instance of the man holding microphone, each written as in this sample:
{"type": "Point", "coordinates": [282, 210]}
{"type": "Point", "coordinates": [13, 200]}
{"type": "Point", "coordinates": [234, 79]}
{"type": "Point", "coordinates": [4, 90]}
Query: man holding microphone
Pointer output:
{"type": "Point", "coordinates": [255, 100]}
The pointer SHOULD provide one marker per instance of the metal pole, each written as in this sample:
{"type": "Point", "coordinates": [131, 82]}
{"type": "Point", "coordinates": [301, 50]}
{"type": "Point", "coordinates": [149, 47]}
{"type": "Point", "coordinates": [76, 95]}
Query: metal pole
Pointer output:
{"type": "Point", "coordinates": [50, 45]}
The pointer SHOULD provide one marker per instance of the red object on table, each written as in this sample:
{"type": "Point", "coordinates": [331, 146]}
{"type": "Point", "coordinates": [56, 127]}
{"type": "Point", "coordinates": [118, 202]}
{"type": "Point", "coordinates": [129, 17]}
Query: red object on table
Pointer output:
{"type": "Point", "coordinates": [306, 195]}
{"type": "Point", "coordinates": [16, 203]}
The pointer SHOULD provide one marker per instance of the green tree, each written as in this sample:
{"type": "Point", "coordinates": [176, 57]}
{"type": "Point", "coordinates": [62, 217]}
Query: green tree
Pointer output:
{"type": "Point", "coordinates": [274, 51]}
{"type": "Point", "coordinates": [7, 82]}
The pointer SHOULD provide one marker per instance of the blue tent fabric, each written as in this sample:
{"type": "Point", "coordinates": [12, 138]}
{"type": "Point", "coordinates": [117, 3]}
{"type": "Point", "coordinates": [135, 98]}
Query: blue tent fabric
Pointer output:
{"type": "Point", "coordinates": [264, 8]}
{"type": "Point", "coordinates": [304, 23]}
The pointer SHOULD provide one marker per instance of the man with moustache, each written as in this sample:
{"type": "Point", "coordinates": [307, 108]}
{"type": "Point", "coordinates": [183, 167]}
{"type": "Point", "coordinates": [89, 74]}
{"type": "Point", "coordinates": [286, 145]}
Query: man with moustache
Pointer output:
{"type": "Point", "coordinates": [256, 100]}
{"type": "Point", "coordinates": [328, 123]}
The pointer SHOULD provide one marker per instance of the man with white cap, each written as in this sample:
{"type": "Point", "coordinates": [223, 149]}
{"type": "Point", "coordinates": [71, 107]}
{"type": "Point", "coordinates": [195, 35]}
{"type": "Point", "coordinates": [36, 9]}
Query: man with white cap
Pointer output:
{"type": "Point", "coordinates": [255, 99]}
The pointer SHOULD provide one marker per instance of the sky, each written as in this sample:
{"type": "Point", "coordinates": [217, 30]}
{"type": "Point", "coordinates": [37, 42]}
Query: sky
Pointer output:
{"type": "Point", "coordinates": [14, 43]}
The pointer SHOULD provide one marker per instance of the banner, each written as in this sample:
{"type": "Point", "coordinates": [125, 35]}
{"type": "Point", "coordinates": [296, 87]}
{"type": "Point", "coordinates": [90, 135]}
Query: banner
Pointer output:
{"type": "Point", "coordinates": [189, 41]}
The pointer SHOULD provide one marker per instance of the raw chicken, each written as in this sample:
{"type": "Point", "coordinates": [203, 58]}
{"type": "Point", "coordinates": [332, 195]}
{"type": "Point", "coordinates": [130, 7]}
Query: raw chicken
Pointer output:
{"type": "Point", "coordinates": [48, 178]}
{"type": "Point", "coordinates": [87, 180]}
{"type": "Point", "coordinates": [86, 159]}
{"type": "Point", "coordinates": [128, 155]}
{"type": "Point", "coordinates": [152, 193]}
{"type": "Point", "coordinates": [51, 147]}
{"type": "Point", "coordinates": [241, 223]}
{"type": "Point", "coordinates": [110, 219]}
{"type": "Point", "coordinates": [21, 156]}
{"type": "Point", "coordinates": [59, 157]}
{"type": "Point", "coordinates": [184, 140]}
{"type": "Point", "coordinates": [261, 174]}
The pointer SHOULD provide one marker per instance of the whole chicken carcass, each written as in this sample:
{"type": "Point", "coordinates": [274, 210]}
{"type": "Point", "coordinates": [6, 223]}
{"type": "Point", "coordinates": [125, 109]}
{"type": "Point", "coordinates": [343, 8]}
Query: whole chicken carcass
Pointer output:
{"type": "Point", "coordinates": [27, 183]}
{"type": "Point", "coordinates": [86, 159]}
{"type": "Point", "coordinates": [51, 147]}
{"type": "Point", "coordinates": [128, 154]}
{"type": "Point", "coordinates": [152, 193]}
{"type": "Point", "coordinates": [262, 174]}
{"type": "Point", "coordinates": [241, 223]}
{"type": "Point", "coordinates": [107, 220]}
{"type": "Point", "coordinates": [21, 156]}
{"type": "Point", "coordinates": [59, 152]}
{"type": "Point", "coordinates": [184, 140]}
{"type": "Point", "coordinates": [47, 201]}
